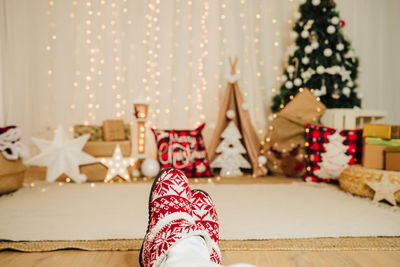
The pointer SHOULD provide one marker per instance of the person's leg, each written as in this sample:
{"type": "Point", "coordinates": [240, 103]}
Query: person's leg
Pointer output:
{"type": "Point", "coordinates": [205, 214]}
{"type": "Point", "coordinates": [170, 218]}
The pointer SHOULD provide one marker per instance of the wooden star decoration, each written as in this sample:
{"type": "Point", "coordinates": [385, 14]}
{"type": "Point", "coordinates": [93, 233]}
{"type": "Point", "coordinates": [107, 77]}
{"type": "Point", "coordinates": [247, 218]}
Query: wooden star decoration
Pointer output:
{"type": "Point", "coordinates": [117, 165]}
{"type": "Point", "coordinates": [384, 190]}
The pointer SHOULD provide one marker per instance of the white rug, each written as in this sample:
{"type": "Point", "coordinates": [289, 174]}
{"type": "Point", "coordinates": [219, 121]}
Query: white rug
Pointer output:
{"type": "Point", "coordinates": [262, 211]}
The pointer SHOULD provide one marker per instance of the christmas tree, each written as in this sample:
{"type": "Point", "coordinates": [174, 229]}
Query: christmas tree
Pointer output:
{"type": "Point", "coordinates": [334, 160]}
{"type": "Point", "coordinates": [320, 58]}
{"type": "Point", "coordinates": [230, 160]}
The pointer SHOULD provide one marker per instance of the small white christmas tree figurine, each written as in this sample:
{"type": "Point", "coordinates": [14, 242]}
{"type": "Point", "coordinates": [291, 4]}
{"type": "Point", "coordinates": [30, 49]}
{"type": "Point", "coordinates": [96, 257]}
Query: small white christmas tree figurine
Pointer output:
{"type": "Point", "coordinates": [230, 160]}
{"type": "Point", "coordinates": [334, 160]}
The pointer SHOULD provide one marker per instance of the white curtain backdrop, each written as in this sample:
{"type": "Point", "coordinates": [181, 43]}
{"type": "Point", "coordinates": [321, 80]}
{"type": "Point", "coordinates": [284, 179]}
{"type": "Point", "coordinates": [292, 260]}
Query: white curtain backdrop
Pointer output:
{"type": "Point", "coordinates": [73, 62]}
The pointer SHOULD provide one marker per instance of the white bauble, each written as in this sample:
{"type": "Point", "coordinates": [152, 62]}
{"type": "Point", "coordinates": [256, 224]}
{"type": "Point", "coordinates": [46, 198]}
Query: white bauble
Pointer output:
{"type": "Point", "coordinates": [297, 15]}
{"type": "Point", "coordinates": [315, 45]}
{"type": "Point", "coordinates": [360, 95]}
{"type": "Point", "coordinates": [245, 106]}
{"type": "Point", "coordinates": [335, 20]}
{"type": "Point", "coordinates": [212, 125]}
{"type": "Point", "coordinates": [135, 173]}
{"type": "Point", "coordinates": [82, 178]}
{"type": "Point", "coordinates": [337, 69]}
{"type": "Point", "coordinates": [331, 29]}
{"type": "Point", "coordinates": [302, 1]}
{"type": "Point", "coordinates": [150, 167]}
{"type": "Point", "coordinates": [350, 83]}
{"type": "Point", "coordinates": [289, 85]}
{"type": "Point", "coordinates": [297, 82]}
{"type": "Point", "coordinates": [284, 78]}
{"type": "Point", "coordinates": [262, 159]}
{"type": "Point", "coordinates": [320, 69]}
{"type": "Point", "coordinates": [305, 60]}
{"type": "Point", "coordinates": [346, 91]}
{"type": "Point", "coordinates": [305, 34]}
{"type": "Point", "coordinates": [316, 2]}
{"type": "Point", "coordinates": [290, 68]}
{"type": "Point", "coordinates": [230, 114]}
{"type": "Point", "coordinates": [308, 49]}
{"type": "Point", "coordinates": [327, 52]}
{"type": "Point", "coordinates": [340, 46]}
{"type": "Point", "coordinates": [293, 35]}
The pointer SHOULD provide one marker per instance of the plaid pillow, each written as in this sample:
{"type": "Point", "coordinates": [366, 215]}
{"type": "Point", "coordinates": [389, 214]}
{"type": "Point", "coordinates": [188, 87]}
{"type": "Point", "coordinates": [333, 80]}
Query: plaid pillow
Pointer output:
{"type": "Point", "coordinates": [329, 153]}
{"type": "Point", "coordinates": [184, 150]}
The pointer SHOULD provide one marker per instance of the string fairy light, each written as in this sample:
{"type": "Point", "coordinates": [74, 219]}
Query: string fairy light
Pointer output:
{"type": "Point", "coordinates": [117, 79]}
{"type": "Point", "coordinates": [89, 79]}
{"type": "Point", "coordinates": [49, 49]}
{"type": "Point", "coordinates": [201, 60]}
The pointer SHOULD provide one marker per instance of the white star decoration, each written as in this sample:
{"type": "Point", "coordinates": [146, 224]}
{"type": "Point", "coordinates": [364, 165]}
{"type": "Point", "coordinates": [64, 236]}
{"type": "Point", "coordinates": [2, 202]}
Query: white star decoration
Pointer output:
{"type": "Point", "coordinates": [117, 165]}
{"type": "Point", "coordinates": [384, 189]}
{"type": "Point", "coordinates": [62, 155]}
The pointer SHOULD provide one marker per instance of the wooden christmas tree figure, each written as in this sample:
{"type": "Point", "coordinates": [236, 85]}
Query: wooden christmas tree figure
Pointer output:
{"type": "Point", "coordinates": [334, 160]}
{"type": "Point", "coordinates": [230, 160]}
{"type": "Point", "coordinates": [233, 102]}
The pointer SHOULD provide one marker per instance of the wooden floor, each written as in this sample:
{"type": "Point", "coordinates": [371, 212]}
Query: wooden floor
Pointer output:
{"type": "Point", "coordinates": [260, 258]}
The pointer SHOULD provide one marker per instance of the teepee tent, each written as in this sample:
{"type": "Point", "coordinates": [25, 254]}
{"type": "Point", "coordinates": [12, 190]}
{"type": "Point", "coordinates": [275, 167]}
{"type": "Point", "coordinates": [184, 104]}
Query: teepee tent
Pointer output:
{"type": "Point", "coordinates": [233, 100]}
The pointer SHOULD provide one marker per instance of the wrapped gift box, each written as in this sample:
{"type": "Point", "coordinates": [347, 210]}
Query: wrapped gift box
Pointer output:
{"type": "Point", "coordinates": [382, 131]}
{"type": "Point", "coordinates": [392, 158]}
{"type": "Point", "coordinates": [373, 150]}
{"type": "Point", "coordinates": [113, 130]}
{"type": "Point", "coordinates": [96, 132]}
{"type": "Point", "coordinates": [106, 148]}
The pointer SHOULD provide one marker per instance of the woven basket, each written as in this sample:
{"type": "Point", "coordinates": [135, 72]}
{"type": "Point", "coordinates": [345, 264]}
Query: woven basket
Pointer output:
{"type": "Point", "coordinates": [353, 180]}
{"type": "Point", "coordinates": [11, 174]}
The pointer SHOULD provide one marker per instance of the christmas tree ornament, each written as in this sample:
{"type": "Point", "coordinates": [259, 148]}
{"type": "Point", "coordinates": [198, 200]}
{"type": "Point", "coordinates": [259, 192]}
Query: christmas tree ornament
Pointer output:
{"type": "Point", "coordinates": [305, 34]}
{"type": "Point", "coordinates": [297, 15]}
{"type": "Point", "coordinates": [360, 95]}
{"type": "Point", "coordinates": [293, 34]}
{"type": "Point", "coordinates": [327, 52]}
{"type": "Point", "coordinates": [335, 20]}
{"type": "Point", "coordinates": [150, 168]}
{"type": "Point", "coordinates": [342, 23]}
{"type": "Point", "coordinates": [117, 165]}
{"type": "Point", "coordinates": [290, 69]}
{"type": "Point", "coordinates": [316, 2]}
{"type": "Point", "coordinates": [230, 159]}
{"type": "Point", "coordinates": [302, 1]}
{"type": "Point", "coordinates": [346, 91]}
{"type": "Point", "coordinates": [315, 45]}
{"type": "Point", "coordinates": [62, 156]}
{"type": "Point", "coordinates": [331, 29]}
{"type": "Point", "coordinates": [289, 85]}
{"type": "Point", "coordinates": [334, 159]}
{"type": "Point", "coordinates": [245, 106]}
{"type": "Point", "coordinates": [335, 95]}
{"type": "Point", "coordinates": [291, 49]}
{"type": "Point", "coordinates": [308, 49]}
{"type": "Point", "coordinates": [384, 190]}
{"type": "Point", "coordinates": [262, 159]}
{"type": "Point", "coordinates": [284, 78]}
{"type": "Point", "coordinates": [230, 114]}
{"type": "Point", "coordinates": [297, 82]}
{"type": "Point", "coordinates": [320, 69]}
{"type": "Point", "coordinates": [305, 60]}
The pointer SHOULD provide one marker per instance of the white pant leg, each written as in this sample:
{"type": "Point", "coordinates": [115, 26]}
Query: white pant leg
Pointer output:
{"type": "Point", "coordinates": [192, 252]}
